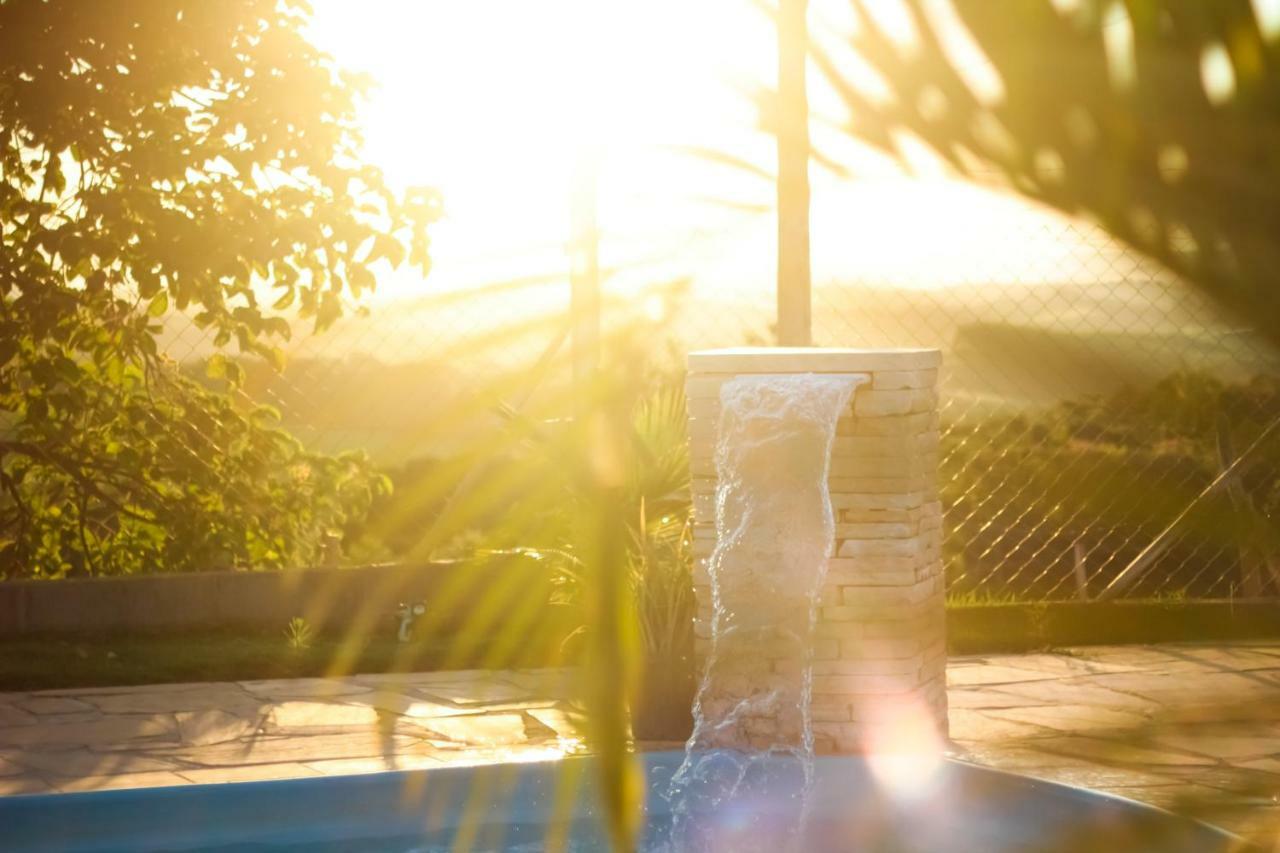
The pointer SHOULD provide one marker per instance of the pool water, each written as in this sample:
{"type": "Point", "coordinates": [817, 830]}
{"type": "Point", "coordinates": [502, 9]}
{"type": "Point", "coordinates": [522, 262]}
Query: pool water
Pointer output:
{"type": "Point", "coordinates": [513, 807]}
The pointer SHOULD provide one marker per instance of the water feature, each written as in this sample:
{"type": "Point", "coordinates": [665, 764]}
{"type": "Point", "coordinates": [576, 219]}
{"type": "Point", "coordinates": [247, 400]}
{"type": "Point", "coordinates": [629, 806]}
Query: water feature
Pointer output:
{"type": "Point", "coordinates": [753, 734]}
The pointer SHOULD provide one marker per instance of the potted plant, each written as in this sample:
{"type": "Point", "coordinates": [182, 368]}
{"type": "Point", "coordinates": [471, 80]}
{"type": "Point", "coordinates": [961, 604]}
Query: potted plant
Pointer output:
{"type": "Point", "coordinates": [662, 590]}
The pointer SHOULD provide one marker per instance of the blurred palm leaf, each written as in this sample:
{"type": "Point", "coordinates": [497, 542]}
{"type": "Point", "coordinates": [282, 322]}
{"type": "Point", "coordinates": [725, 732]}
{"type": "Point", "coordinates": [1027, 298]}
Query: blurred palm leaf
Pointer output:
{"type": "Point", "coordinates": [1156, 118]}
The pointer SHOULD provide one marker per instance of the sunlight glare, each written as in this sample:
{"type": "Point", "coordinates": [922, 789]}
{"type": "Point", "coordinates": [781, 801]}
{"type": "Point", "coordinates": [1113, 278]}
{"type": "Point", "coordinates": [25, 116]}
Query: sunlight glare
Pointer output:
{"type": "Point", "coordinates": [904, 751]}
{"type": "Point", "coordinates": [893, 19]}
{"type": "Point", "coordinates": [1117, 38]}
{"type": "Point", "coordinates": [1217, 75]}
{"type": "Point", "coordinates": [1267, 14]}
{"type": "Point", "coordinates": [493, 101]}
{"type": "Point", "coordinates": [1172, 162]}
{"type": "Point", "coordinates": [964, 53]}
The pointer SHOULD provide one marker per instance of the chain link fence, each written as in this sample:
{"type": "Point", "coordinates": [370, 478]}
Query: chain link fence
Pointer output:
{"type": "Point", "coordinates": [1106, 430]}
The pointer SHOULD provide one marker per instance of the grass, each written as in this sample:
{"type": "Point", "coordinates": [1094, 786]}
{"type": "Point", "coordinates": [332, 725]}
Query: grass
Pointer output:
{"type": "Point", "coordinates": [991, 627]}
{"type": "Point", "coordinates": [982, 598]}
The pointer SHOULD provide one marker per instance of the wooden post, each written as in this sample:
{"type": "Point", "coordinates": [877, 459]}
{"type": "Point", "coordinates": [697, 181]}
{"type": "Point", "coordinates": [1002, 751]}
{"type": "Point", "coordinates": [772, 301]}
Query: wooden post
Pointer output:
{"type": "Point", "coordinates": [1081, 572]}
{"type": "Point", "coordinates": [584, 266]}
{"type": "Point", "coordinates": [794, 325]}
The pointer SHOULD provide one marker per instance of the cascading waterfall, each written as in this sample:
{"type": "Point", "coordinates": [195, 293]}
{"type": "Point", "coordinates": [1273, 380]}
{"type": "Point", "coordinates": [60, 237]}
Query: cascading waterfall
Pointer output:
{"type": "Point", "coordinates": [752, 735]}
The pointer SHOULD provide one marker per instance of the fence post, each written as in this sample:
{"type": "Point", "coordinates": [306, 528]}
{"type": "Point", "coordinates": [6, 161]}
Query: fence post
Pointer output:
{"type": "Point", "coordinates": [794, 304]}
{"type": "Point", "coordinates": [584, 266]}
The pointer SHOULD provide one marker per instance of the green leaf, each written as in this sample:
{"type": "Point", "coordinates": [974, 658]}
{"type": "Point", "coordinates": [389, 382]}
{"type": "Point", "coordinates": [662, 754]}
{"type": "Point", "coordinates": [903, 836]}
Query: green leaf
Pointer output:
{"type": "Point", "coordinates": [286, 299]}
{"type": "Point", "coordinates": [159, 305]}
{"type": "Point", "coordinates": [216, 367]}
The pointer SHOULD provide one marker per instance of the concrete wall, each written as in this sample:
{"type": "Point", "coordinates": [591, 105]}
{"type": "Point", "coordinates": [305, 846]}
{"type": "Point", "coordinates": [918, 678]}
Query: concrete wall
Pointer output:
{"type": "Point", "coordinates": [329, 599]}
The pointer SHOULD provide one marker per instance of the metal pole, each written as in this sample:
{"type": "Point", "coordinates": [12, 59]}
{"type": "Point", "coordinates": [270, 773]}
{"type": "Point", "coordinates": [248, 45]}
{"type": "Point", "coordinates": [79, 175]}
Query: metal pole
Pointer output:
{"type": "Point", "coordinates": [794, 301]}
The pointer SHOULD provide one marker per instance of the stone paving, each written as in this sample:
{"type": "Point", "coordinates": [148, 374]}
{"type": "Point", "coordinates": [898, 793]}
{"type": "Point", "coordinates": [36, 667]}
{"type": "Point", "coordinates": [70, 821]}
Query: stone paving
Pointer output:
{"type": "Point", "coordinates": [1190, 727]}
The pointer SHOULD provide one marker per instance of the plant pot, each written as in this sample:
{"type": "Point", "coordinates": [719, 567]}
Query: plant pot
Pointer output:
{"type": "Point", "coordinates": [663, 707]}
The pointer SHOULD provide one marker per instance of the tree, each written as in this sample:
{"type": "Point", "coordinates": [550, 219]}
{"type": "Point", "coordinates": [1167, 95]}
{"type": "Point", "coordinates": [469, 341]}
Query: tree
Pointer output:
{"type": "Point", "coordinates": [158, 157]}
{"type": "Point", "coordinates": [1157, 118]}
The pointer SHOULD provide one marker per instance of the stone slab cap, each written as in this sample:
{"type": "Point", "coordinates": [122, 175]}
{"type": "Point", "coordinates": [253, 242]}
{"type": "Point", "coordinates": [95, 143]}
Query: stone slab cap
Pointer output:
{"type": "Point", "coordinates": [810, 360]}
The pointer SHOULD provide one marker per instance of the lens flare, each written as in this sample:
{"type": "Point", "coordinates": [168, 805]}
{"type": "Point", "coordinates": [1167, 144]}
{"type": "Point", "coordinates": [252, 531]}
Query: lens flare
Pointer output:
{"type": "Point", "coordinates": [904, 750]}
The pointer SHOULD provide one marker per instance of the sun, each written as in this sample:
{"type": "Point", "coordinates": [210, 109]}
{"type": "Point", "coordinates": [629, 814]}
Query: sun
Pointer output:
{"type": "Point", "coordinates": [493, 102]}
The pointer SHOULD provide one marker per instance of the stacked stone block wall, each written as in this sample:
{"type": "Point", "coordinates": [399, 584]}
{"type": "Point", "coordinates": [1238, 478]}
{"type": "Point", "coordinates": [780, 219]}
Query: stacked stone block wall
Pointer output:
{"type": "Point", "coordinates": [879, 651]}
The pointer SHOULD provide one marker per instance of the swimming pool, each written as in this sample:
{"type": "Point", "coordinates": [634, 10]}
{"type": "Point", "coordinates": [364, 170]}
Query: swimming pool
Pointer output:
{"type": "Point", "coordinates": [511, 807]}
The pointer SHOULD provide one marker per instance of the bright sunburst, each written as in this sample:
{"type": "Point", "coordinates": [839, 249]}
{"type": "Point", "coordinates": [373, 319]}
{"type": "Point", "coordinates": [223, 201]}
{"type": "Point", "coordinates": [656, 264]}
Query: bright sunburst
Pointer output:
{"type": "Point", "coordinates": [493, 101]}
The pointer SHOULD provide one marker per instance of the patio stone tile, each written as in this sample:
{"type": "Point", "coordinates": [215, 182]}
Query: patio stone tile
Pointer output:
{"type": "Point", "coordinates": [970, 672]}
{"type": "Point", "coordinates": [476, 756]}
{"type": "Point", "coordinates": [495, 707]}
{"type": "Point", "coordinates": [1076, 692]}
{"type": "Point", "coordinates": [200, 728]}
{"type": "Point", "coordinates": [1136, 652]}
{"type": "Point", "coordinates": [116, 781]}
{"type": "Point", "coordinates": [1120, 752]}
{"type": "Point", "coordinates": [1020, 757]}
{"type": "Point", "coordinates": [1259, 823]}
{"type": "Point", "coordinates": [292, 715]}
{"type": "Point", "coordinates": [44, 705]}
{"type": "Point", "coordinates": [1072, 718]}
{"type": "Point", "coordinates": [1227, 658]}
{"type": "Point", "coordinates": [1237, 779]}
{"type": "Point", "coordinates": [12, 715]}
{"type": "Point", "coordinates": [302, 688]}
{"type": "Point", "coordinates": [109, 730]}
{"type": "Point", "coordinates": [384, 679]}
{"type": "Point", "coordinates": [1181, 797]}
{"type": "Point", "coordinates": [479, 729]}
{"type": "Point", "coordinates": [961, 697]}
{"type": "Point", "coordinates": [71, 717]}
{"type": "Point", "coordinates": [1229, 746]}
{"type": "Point", "coordinates": [1063, 665]}
{"type": "Point", "coordinates": [347, 766]}
{"type": "Point", "coordinates": [1266, 765]}
{"type": "Point", "coordinates": [407, 706]}
{"type": "Point", "coordinates": [25, 785]}
{"type": "Point", "coordinates": [218, 697]}
{"type": "Point", "coordinates": [1205, 688]}
{"type": "Point", "coordinates": [478, 693]}
{"type": "Point", "coordinates": [167, 741]}
{"type": "Point", "coordinates": [557, 683]}
{"type": "Point", "coordinates": [277, 749]}
{"type": "Point", "coordinates": [566, 724]}
{"type": "Point", "coordinates": [248, 773]}
{"type": "Point", "coordinates": [969, 725]}
{"type": "Point", "coordinates": [85, 762]}
{"type": "Point", "coordinates": [1100, 776]}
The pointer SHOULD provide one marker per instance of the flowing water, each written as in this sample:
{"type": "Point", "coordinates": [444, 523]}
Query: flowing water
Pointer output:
{"type": "Point", "coordinates": [752, 735]}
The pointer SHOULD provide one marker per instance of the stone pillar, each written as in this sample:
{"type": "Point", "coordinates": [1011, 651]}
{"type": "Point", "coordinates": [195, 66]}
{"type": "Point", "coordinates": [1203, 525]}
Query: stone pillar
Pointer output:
{"type": "Point", "coordinates": [879, 651]}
